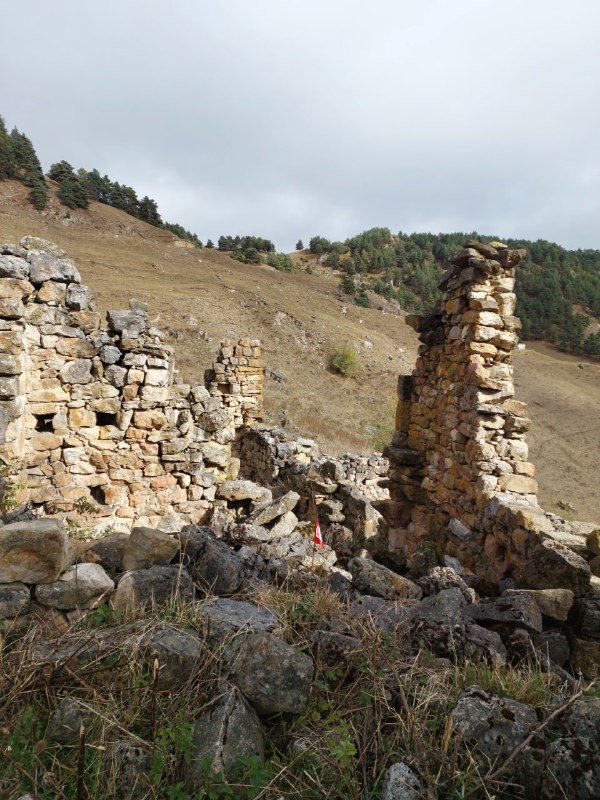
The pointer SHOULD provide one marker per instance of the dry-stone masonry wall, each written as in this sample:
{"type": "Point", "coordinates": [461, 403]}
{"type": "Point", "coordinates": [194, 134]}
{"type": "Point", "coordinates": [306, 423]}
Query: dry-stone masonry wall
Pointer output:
{"type": "Point", "coordinates": [93, 418]}
{"type": "Point", "coordinates": [460, 473]}
{"type": "Point", "coordinates": [342, 491]}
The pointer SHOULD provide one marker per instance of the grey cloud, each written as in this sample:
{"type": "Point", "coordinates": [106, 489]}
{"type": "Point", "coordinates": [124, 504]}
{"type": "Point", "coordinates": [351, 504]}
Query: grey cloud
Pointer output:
{"type": "Point", "coordinates": [323, 116]}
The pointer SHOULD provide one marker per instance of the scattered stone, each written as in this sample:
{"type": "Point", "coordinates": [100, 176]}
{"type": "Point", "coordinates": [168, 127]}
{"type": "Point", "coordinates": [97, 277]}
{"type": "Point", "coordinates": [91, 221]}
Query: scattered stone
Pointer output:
{"type": "Point", "coordinates": [128, 769]}
{"type": "Point", "coordinates": [401, 783]}
{"type": "Point", "coordinates": [274, 676]}
{"type": "Point", "coordinates": [492, 728]}
{"type": "Point", "coordinates": [15, 599]}
{"type": "Point", "coordinates": [390, 616]}
{"type": "Point", "coordinates": [107, 552]}
{"type": "Point", "coordinates": [375, 579]}
{"type": "Point", "coordinates": [35, 551]}
{"type": "Point", "coordinates": [226, 617]}
{"type": "Point", "coordinates": [156, 585]}
{"type": "Point", "coordinates": [222, 737]}
{"type": "Point", "coordinates": [553, 603]}
{"type": "Point", "coordinates": [440, 578]}
{"type": "Point", "coordinates": [81, 586]}
{"type": "Point", "coordinates": [214, 566]}
{"type": "Point", "coordinates": [177, 651]}
{"type": "Point", "coordinates": [275, 509]}
{"type": "Point", "coordinates": [333, 648]}
{"type": "Point", "coordinates": [439, 620]}
{"type": "Point", "coordinates": [147, 547]}
{"type": "Point", "coordinates": [244, 490]}
{"type": "Point", "coordinates": [482, 644]}
{"type": "Point", "coordinates": [66, 722]}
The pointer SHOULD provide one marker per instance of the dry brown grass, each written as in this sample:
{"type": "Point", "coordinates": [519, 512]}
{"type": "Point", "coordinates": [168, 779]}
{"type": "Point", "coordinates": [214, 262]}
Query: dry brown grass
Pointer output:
{"type": "Point", "coordinates": [382, 703]}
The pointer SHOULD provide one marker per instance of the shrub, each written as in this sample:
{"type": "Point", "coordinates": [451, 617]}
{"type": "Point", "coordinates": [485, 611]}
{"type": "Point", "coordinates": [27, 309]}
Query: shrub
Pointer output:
{"type": "Point", "coordinates": [345, 361]}
{"type": "Point", "coordinates": [281, 261]}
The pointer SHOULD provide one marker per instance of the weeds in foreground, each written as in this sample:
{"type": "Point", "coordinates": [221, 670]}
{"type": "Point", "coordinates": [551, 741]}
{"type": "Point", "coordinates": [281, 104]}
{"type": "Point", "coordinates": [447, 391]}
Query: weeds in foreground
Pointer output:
{"type": "Point", "coordinates": [378, 704]}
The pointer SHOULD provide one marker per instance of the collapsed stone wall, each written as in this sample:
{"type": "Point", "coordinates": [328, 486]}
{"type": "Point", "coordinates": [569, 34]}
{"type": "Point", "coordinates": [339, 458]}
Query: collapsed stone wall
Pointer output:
{"type": "Point", "coordinates": [94, 418]}
{"type": "Point", "coordinates": [460, 474]}
{"type": "Point", "coordinates": [344, 491]}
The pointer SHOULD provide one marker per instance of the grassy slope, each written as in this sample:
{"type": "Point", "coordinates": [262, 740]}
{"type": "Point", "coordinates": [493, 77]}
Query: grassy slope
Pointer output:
{"type": "Point", "coordinates": [206, 296]}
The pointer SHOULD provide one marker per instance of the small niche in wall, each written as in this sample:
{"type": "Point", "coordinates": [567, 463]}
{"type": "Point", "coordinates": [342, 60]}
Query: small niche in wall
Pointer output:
{"type": "Point", "coordinates": [97, 494]}
{"type": "Point", "coordinates": [43, 423]}
{"type": "Point", "coordinates": [103, 418]}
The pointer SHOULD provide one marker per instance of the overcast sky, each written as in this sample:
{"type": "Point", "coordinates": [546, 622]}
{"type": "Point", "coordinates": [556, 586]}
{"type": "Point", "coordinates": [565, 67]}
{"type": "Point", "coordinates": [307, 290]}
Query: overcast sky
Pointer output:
{"type": "Point", "coordinates": [289, 118]}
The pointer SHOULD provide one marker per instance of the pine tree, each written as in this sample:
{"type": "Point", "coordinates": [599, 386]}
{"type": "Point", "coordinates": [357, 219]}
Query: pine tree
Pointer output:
{"type": "Point", "coordinates": [38, 196]}
{"type": "Point", "coordinates": [72, 192]}
{"type": "Point", "coordinates": [7, 159]}
{"type": "Point", "coordinates": [299, 245]}
{"type": "Point", "coordinates": [28, 169]}
{"type": "Point", "coordinates": [58, 172]}
{"type": "Point", "coordinates": [27, 164]}
{"type": "Point", "coordinates": [148, 211]}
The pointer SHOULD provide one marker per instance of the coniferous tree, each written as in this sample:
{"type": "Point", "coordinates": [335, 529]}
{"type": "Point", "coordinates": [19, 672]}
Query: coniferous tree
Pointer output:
{"type": "Point", "coordinates": [61, 170]}
{"type": "Point", "coordinates": [72, 193]}
{"type": "Point", "coordinates": [28, 167]}
{"type": "Point", "coordinates": [7, 159]}
{"type": "Point", "coordinates": [148, 211]}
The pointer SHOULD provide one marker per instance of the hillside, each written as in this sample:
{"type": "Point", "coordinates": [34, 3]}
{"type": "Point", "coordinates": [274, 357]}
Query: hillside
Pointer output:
{"type": "Point", "coordinates": [202, 296]}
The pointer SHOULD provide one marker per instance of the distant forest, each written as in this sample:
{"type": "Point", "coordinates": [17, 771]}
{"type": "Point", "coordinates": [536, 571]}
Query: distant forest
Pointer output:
{"type": "Point", "coordinates": [551, 284]}
{"type": "Point", "coordinates": [18, 160]}
{"type": "Point", "coordinates": [558, 290]}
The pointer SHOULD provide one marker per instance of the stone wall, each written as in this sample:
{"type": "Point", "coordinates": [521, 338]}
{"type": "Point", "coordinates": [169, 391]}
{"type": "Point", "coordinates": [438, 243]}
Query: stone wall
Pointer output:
{"type": "Point", "coordinates": [93, 420]}
{"type": "Point", "coordinates": [345, 491]}
{"type": "Point", "coordinates": [460, 473]}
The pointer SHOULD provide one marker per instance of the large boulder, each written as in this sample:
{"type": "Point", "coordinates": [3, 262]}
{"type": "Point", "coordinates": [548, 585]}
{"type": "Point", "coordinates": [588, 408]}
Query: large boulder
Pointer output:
{"type": "Point", "coordinates": [35, 551]}
{"type": "Point", "coordinates": [512, 610]}
{"type": "Point", "coordinates": [81, 586]}
{"type": "Point", "coordinates": [275, 509]}
{"type": "Point", "coordinates": [147, 547]}
{"type": "Point", "coordinates": [550, 564]}
{"type": "Point", "coordinates": [274, 676]}
{"type": "Point", "coordinates": [492, 728]}
{"type": "Point", "coordinates": [375, 579]}
{"type": "Point", "coordinates": [573, 757]}
{"type": "Point", "coordinates": [177, 651]}
{"type": "Point", "coordinates": [223, 737]}
{"type": "Point", "coordinates": [156, 585]}
{"type": "Point", "coordinates": [225, 617]}
{"type": "Point", "coordinates": [439, 621]}
{"type": "Point", "coordinates": [213, 565]}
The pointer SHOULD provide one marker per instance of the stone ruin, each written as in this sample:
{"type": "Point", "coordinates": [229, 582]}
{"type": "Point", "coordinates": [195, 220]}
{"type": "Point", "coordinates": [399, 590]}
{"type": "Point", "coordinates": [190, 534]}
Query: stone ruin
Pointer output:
{"type": "Point", "coordinates": [459, 470]}
{"type": "Point", "coordinates": [96, 426]}
{"type": "Point", "coordinates": [94, 418]}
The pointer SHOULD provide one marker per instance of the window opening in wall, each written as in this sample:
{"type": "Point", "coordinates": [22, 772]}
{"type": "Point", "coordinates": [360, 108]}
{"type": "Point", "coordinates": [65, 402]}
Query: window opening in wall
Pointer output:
{"type": "Point", "coordinates": [103, 418]}
{"type": "Point", "coordinates": [43, 423]}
